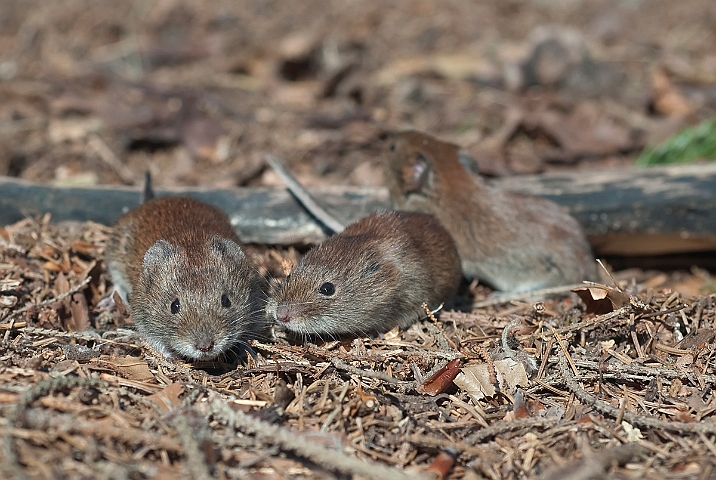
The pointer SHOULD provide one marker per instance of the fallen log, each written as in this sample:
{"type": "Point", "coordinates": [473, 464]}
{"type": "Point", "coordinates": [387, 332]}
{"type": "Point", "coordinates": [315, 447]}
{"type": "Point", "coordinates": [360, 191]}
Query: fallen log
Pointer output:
{"type": "Point", "coordinates": [624, 211]}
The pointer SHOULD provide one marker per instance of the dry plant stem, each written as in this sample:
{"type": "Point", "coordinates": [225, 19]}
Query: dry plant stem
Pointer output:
{"type": "Point", "coordinates": [563, 348]}
{"type": "Point", "coordinates": [108, 157]}
{"type": "Point", "coordinates": [441, 443]}
{"type": "Point", "coordinates": [479, 416]}
{"type": "Point", "coordinates": [636, 372]}
{"type": "Point", "coordinates": [284, 352]}
{"type": "Point", "coordinates": [150, 354]}
{"type": "Point", "coordinates": [130, 436]}
{"type": "Point", "coordinates": [341, 365]}
{"type": "Point", "coordinates": [59, 297]}
{"type": "Point", "coordinates": [12, 246]}
{"type": "Point", "coordinates": [664, 312]}
{"type": "Point", "coordinates": [595, 465]}
{"type": "Point", "coordinates": [195, 460]}
{"type": "Point", "coordinates": [500, 298]}
{"type": "Point", "coordinates": [585, 324]}
{"type": "Point", "coordinates": [41, 389]}
{"type": "Point", "coordinates": [506, 426]}
{"type": "Point", "coordinates": [295, 355]}
{"type": "Point", "coordinates": [431, 316]}
{"type": "Point", "coordinates": [49, 332]}
{"type": "Point", "coordinates": [330, 459]}
{"type": "Point", "coordinates": [298, 191]}
{"type": "Point", "coordinates": [706, 427]}
{"type": "Point", "coordinates": [46, 387]}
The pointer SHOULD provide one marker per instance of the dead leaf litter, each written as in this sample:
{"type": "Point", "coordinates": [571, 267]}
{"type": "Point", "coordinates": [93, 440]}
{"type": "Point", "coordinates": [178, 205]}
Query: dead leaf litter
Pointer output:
{"type": "Point", "coordinates": [534, 384]}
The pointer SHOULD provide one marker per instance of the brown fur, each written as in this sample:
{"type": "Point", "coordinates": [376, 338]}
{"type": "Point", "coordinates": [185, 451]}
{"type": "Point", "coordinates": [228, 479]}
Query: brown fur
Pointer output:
{"type": "Point", "coordinates": [383, 268]}
{"type": "Point", "coordinates": [178, 248]}
{"type": "Point", "coordinates": [512, 241]}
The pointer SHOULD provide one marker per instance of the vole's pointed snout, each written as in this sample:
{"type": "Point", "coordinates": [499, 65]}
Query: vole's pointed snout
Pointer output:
{"type": "Point", "coordinates": [204, 345]}
{"type": "Point", "coordinates": [284, 313]}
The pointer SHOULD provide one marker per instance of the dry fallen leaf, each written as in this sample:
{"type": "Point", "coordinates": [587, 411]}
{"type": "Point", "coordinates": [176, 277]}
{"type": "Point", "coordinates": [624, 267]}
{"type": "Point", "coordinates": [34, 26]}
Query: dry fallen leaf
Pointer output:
{"type": "Point", "coordinates": [80, 321]}
{"type": "Point", "coordinates": [601, 299]}
{"type": "Point", "coordinates": [133, 368]}
{"type": "Point", "coordinates": [475, 379]}
{"type": "Point", "coordinates": [667, 99]}
{"type": "Point", "coordinates": [169, 397]}
{"type": "Point", "coordinates": [440, 380]}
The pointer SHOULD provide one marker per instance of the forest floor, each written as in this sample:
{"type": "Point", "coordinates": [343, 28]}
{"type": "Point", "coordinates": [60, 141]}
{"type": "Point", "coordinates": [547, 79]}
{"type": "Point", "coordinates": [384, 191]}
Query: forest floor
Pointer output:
{"type": "Point", "coordinates": [198, 92]}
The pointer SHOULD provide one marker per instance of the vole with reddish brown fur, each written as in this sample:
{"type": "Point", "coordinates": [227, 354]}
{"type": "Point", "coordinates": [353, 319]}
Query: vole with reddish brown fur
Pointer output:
{"type": "Point", "coordinates": [369, 278]}
{"type": "Point", "coordinates": [512, 241]}
{"type": "Point", "coordinates": [178, 264]}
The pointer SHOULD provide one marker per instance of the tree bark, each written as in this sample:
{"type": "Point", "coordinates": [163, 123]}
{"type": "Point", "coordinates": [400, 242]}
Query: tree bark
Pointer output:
{"type": "Point", "coordinates": [665, 209]}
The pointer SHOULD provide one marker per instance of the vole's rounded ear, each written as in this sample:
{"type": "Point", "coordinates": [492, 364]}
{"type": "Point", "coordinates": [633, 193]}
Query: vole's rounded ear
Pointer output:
{"type": "Point", "coordinates": [225, 247]}
{"type": "Point", "coordinates": [156, 256]}
{"type": "Point", "coordinates": [159, 252]}
{"type": "Point", "coordinates": [415, 173]}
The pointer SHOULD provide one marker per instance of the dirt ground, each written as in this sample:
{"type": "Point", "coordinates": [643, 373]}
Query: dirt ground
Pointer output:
{"type": "Point", "coordinates": [197, 92]}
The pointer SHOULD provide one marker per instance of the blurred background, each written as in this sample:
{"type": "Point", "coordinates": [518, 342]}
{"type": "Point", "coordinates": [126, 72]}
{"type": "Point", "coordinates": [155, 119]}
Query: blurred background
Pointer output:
{"type": "Point", "coordinates": [97, 92]}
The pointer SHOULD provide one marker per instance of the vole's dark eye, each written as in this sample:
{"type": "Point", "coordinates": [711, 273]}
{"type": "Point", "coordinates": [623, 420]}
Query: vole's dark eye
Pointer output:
{"type": "Point", "coordinates": [392, 147]}
{"type": "Point", "coordinates": [175, 306]}
{"type": "Point", "coordinates": [327, 289]}
{"type": "Point", "coordinates": [225, 302]}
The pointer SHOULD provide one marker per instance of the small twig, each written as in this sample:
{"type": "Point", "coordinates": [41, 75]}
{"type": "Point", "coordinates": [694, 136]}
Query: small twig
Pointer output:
{"type": "Point", "coordinates": [672, 350]}
{"type": "Point", "coordinates": [337, 410]}
{"type": "Point", "coordinates": [472, 410]}
{"type": "Point", "coordinates": [128, 435]}
{"type": "Point", "coordinates": [500, 298]}
{"type": "Point", "coordinates": [639, 420]}
{"type": "Point", "coordinates": [46, 387]}
{"type": "Point", "coordinates": [328, 458]}
{"type": "Point", "coordinates": [13, 325]}
{"type": "Point", "coordinates": [59, 297]}
{"type": "Point", "coordinates": [584, 325]}
{"type": "Point", "coordinates": [616, 285]}
{"type": "Point", "coordinates": [110, 159]}
{"type": "Point", "coordinates": [302, 195]}
{"type": "Point", "coordinates": [40, 389]}
{"type": "Point", "coordinates": [663, 312]}
{"type": "Point", "coordinates": [507, 426]}
{"type": "Point", "coordinates": [51, 332]}
{"type": "Point", "coordinates": [635, 371]}
{"type": "Point", "coordinates": [431, 316]}
{"type": "Point", "coordinates": [12, 246]}
{"type": "Point", "coordinates": [595, 464]}
{"type": "Point", "coordinates": [341, 365]}
{"type": "Point", "coordinates": [563, 348]}
{"type": "Point", "coordinates": [442, 443]}
{"type": "Point", "coordinates": [195, 460]}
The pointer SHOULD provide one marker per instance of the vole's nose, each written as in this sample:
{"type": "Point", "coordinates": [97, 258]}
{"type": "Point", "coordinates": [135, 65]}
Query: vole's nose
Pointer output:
{"type": "Point", "coordinates": [283, 314]}
{"type": "Point", "coordinates": [204, 345]}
